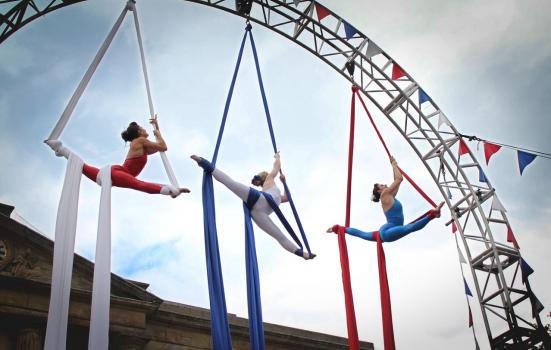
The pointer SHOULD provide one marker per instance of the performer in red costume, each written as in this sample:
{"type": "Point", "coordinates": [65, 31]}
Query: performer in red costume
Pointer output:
{"type": "Point", "coordinates": [125, 175]}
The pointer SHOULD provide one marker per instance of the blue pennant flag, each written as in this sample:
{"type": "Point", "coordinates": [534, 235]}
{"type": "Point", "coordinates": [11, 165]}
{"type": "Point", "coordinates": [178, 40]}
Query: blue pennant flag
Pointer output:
{"type": "Point", "coordinates": [349, 30]}
{"type": "Point", "coordinates": [481, 176]}
{"type": "Point", "coordinates": [423, 97]}
{"type": "Point", "coordinates": [524, 158]}
{"type": "Point", "coordinates": [467, 290]}
{"type": "Point", "coordinates": [525, 269]}
{"type": "Point", "coordinates": [449, 193]}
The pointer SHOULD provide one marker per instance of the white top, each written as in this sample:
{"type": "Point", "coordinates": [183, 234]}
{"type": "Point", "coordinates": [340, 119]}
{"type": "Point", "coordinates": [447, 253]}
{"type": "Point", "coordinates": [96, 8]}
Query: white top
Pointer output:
{"type": "Point", "coordinates": [275, 193]}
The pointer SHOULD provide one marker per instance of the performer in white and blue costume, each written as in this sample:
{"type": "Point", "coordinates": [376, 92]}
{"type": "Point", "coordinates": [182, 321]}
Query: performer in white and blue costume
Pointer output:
{"type": "Point", "coordinates": [262, 209]}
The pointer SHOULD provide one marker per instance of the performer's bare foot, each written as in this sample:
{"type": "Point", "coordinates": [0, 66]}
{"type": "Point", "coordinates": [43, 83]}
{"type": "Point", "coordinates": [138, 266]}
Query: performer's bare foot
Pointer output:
{"type": "Point", "coordinates": [181, 190]}
{"type": "Point", "coordinates": [333, 229]}
{"type": "Point", "coordinates": [196, 158]}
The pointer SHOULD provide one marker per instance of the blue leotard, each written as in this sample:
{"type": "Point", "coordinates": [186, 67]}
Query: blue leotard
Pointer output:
{"type": "Point", "coordinates": [394, 228]}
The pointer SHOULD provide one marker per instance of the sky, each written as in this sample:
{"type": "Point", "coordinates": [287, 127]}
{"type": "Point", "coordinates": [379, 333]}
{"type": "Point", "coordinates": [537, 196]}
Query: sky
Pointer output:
{"type": "Point", "coordinates": [486, 64]}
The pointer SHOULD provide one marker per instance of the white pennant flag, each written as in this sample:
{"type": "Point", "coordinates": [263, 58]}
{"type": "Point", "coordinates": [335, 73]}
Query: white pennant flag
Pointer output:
{"type": "Point", "coordinates": [461, 257]}
{"type": "Point", "coordinates": [496, 204]}
{"type": "Point", "coordinates": [442, 119]}
{"type": "Point", "coordinates": [372, 49]}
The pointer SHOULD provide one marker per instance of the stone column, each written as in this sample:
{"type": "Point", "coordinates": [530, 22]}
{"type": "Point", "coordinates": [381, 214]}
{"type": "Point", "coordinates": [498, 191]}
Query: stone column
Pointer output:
{"type": "Point", "coordinates": [29, 339]}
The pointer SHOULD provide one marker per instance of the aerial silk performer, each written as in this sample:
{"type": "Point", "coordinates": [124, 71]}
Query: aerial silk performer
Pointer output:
{"type": "Point", "coordinates": [394, 228]}
{"type": "Point", "coordinates": [262, 209]}
{"type": "Point", "coordinates": [125, 175]}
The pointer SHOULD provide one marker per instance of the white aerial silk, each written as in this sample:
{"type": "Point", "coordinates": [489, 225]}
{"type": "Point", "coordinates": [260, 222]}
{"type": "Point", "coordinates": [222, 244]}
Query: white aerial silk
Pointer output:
{"type": "Point", "coordinates": [56, 329]}
{"type": "Point", "coordinates": [101, 289]}
{"type": "Point", "coordinates": [65, 230]}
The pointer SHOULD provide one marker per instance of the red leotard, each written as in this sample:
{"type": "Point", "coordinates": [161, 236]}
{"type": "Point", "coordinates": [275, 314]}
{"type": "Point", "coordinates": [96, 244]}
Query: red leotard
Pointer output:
{"type": "Point", "coordinates": [125, 175]}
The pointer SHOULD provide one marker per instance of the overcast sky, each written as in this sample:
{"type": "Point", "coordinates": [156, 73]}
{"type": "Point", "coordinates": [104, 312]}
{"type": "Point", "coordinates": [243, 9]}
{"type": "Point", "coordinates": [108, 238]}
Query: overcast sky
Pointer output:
{"type": "Point", "coordinates": [486, 64]}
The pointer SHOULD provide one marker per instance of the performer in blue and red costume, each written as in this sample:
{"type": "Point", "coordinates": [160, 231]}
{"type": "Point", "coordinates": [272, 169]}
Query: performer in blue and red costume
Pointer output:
{"type": "Point", "coordinates": [394, 228]}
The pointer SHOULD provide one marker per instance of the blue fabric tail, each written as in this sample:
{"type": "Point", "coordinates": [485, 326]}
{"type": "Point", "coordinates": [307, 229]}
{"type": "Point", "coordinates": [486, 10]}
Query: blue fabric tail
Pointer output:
{"type": "Point", "coordinates": [256, 326]}
{"type": "Point", "coordinates": [272, 136]}
{"type": "Point", "coordinates": [221, 338]}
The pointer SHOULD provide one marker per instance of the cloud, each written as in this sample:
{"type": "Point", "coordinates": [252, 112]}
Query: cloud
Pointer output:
{"type": "Point", "coordinates": [191, 55]}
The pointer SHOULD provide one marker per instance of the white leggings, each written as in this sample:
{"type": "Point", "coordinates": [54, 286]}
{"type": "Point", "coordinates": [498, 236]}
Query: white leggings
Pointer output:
{"type": "Point", "coordinates": [261, 210]}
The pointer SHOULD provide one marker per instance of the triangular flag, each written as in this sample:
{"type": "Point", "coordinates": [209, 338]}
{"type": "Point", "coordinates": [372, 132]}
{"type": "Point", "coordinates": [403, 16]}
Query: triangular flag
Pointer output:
{"type": "Point", "coordinates": [454, 227]}
{"type": "Point", "coordinates": [524, 158]}
{"type": "Point", "coordinates": [496, 204]}
{"type": "Point", "coordinates": [372, 50]}
{"type": "Point", "coordinates": [481, 175]}
{"type": "Point", "coordinates": [461, 257]}
{"type": "Point", "coordinates": [423, 97]}
{"type": "Point", "coordinates": [349, 30]}
{"type": "Point", "coordinates": [463, 147]}
{"type": "Point", "coordinates": [397, 72]}
{"type": "Point", "coordinates": [322, 12]}
{"type": "Point", "coordinates": [442, 119]}
{"type": "Point", "coordinates": [449, 193]}
{"type": "Point", "coordinates": [511, 237]}
{"type": "Point", "coordinates": [296, 2]}
{"type": "Point", "coordinates": [470, 317]}
{"type": "Point", "coordinates": [467, 290]}
{"type": "Point", "coordinates": [525, 269]}
{"type": "Point", "coordinates": [537, 306]}
{"type": "Point", "coordinates": [489, 150]}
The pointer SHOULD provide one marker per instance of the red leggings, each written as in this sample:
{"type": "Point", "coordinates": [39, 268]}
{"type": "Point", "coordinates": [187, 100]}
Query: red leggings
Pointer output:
{"type": "Point", "coordinates": [121, 178]}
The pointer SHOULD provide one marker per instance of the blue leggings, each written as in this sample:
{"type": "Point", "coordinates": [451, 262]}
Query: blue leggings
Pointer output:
{"type": "Point", "coordinates": [391, 232]}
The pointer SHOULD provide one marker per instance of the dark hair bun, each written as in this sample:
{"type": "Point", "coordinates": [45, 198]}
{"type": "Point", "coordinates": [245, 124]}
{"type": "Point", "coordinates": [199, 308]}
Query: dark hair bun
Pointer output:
{"type": "Point", "coordinates": [376, 196]}
{"type": "Point", "coordinates": [131, 133]}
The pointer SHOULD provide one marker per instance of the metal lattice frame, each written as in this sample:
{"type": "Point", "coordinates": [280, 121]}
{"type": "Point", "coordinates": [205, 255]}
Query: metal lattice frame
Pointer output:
{"type": "Point", "coordinates": [24, 11]}
{"type": "Point", "coordinates": [506, 304]}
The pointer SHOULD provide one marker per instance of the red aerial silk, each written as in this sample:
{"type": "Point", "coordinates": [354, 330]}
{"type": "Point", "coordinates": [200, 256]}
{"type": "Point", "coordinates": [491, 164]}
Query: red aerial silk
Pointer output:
{"type": "Point", "coordinates": [386, 308]}
{"type": "Point", "coordinates": [353, 341]}
{"type": "Point", "coordinates": [388, 330]}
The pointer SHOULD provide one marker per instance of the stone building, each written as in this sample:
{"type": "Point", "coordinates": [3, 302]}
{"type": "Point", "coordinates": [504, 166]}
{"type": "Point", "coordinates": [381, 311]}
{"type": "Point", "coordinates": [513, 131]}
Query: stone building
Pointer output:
{"type": "Point", "coordinates": [139, 319]}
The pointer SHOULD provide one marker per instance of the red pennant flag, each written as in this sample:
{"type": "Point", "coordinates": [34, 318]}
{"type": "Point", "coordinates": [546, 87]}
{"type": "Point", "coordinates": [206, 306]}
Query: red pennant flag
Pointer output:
{"type": "Point", "coordinates": [489, 150]}
{"type": "Point", "coordinates": [454, 227]}
{"type": "Point", "coordinates": [322, 12]}
{"type": "Point", "coordinates": [470, 317]}
{"type": "Point", "coordinates": [397, 72]}
{"type": "Point", "coordinates": [463, 147]}
{"type": "Point", "coordinates": [511, 237]}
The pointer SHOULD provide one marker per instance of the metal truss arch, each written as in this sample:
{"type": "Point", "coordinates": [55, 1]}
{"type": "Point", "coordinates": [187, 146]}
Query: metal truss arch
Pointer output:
{"type": "Point", "coordinates": [507, 305]}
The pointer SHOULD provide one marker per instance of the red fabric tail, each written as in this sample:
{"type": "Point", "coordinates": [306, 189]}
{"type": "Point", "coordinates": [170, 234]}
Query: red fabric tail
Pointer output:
{"type": "Point", "coordinates": [353, 340]}
{"type": "Point", "coordinates": [386, 307]}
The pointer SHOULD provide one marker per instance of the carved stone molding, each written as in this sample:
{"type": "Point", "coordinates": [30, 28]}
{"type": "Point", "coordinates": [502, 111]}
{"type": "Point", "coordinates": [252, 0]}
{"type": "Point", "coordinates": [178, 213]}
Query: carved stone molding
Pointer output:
{"type": "Point", "coordinates": [5, 254]}
{"type": "Point", "coordinates": [29, 339]}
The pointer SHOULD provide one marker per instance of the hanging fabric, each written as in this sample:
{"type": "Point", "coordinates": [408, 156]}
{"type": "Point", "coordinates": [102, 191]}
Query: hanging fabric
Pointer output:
{"type": "Point", "coordinates": [388, 331]}
{"type": "Point", "coordinates": [64, 247]}
{"type": "Point", "coordinates": [221, 338]}
{"type": "Point", "coordinates": [56, 329]}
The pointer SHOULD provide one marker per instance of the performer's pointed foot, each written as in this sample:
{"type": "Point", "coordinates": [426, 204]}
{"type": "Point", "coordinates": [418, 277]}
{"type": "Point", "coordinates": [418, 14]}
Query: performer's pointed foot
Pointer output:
{"type": "Point", "coordinates": [334, 229]}
{"type": "Point", "coordinates": [203, 163]}
{"type": "Point", "coordinates": [196, 158]}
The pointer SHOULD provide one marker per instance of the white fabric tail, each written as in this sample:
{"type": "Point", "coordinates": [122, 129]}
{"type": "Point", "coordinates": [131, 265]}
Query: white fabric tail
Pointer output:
{"type": "Point", "coordinates": [65, 231]}
{"type": "Point", "coordinates": [101, 290]}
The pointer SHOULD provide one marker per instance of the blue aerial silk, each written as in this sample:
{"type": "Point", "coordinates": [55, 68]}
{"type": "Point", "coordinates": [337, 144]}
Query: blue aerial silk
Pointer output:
{"type": "Point", "coordinates": [221, 339]}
